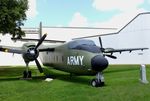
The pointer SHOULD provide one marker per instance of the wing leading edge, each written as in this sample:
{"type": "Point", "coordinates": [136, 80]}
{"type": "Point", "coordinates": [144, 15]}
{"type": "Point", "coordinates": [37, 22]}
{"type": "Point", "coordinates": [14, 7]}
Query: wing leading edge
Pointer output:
{"type": "Point", "coordinates": [10, 49]}
{"type": "Point", "coordinates": [111, 50]}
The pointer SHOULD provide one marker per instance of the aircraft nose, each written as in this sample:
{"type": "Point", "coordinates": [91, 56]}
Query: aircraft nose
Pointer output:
{"type": "Point", "coordinates": [99, 63]}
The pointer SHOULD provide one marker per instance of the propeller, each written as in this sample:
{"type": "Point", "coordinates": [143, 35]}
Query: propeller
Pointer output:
{"type": "Point", "coordinates": [41, 40]}
{"type": "Point", "coordinates": [36, 60]}
{"type": "Point", "coordinates": [103, 50]}
{"type": "Point", "coordinates": [38, 66]}
{"type": "Point", "coordinates": [33, 53]}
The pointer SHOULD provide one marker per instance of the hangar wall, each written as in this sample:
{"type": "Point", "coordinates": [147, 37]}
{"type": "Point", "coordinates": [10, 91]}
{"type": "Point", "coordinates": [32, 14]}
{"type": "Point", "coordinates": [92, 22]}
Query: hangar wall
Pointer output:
{"type": "Point", "coordinates": [133, 35]}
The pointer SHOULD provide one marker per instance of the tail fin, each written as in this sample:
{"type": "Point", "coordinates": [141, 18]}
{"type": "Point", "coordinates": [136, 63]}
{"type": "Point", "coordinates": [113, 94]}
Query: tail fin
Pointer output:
{"type": "Point", "coordinates": [139, 23]}
{"type": "Point", "coordinates": [134, 34]}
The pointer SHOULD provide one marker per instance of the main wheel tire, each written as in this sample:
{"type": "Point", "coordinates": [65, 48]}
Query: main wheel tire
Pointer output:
{"type": "Point", "coordinates": [29, 74]}
{"type": "Point", "coordinates": [24, 74]}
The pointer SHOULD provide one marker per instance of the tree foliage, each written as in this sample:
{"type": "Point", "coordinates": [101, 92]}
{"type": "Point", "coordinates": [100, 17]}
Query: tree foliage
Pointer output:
{"type": "Point", "coordinates": [12, 15]}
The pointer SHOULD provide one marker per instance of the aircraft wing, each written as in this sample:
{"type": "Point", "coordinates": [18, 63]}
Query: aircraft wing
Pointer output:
{"type": "Point", "coordinates": [111, 50]}
{"type": "Point", "coordinates": [29, 39]}
{"type": "Point", "coordinates": [10, 49]}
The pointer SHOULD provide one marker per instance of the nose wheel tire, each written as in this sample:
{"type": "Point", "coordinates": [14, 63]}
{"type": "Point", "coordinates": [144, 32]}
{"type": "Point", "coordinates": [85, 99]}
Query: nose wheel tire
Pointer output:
{"type": "Point", "coordinates": [97, 83]}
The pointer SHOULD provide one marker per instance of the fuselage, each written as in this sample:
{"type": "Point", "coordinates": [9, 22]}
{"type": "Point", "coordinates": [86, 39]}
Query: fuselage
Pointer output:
{"type": "Point", "coordinates": [78, 57]}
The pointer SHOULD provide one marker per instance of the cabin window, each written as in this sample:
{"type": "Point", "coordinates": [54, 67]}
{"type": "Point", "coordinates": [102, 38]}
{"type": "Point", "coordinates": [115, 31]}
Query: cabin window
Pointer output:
{"type": "Point", "coordinates": [62, 59]}
{"type": "Point", "coordinates": [93, 49]}
{"type": "Point", "coordinates": [76, 43]}
{"type": "Point", "coordinates": [56, 58]}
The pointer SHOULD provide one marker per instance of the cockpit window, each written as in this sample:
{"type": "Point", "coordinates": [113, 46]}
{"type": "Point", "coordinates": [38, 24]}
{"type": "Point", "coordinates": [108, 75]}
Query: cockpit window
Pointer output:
{"type": "Point", "coordinates": [76, 43]}
{"type": "Point", "coordinates": [86, 45]}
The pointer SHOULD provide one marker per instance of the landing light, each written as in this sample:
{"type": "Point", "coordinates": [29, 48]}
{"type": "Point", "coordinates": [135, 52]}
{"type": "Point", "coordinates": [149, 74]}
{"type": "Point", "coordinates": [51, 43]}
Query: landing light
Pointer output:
{"type": "Point", "coordinates": [6, 50]}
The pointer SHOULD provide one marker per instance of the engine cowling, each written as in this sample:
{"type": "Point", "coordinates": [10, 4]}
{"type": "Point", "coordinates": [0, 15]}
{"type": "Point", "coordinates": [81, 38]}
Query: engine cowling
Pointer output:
{"type": "Point", "coordinates": [31, 53]}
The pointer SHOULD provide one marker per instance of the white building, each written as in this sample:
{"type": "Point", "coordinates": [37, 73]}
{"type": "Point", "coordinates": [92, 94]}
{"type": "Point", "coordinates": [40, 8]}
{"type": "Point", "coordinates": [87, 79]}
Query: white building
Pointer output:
{"type": "Point", "coordinates": [135, 34]}
{"type": "Point", "coordinates": [14, 59]}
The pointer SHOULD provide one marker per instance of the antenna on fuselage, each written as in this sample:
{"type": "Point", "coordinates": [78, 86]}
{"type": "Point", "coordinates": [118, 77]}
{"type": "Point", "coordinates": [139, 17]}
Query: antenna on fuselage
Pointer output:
{"type": "Point", "coordinates": [40, 30]}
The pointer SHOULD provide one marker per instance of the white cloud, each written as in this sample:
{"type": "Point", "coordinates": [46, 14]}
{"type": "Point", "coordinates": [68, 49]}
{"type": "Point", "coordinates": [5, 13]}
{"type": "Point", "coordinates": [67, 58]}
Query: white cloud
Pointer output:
{"type": "Point", "coordinates": [32, 11]}
{"type": "Point", "coordinates": [119, 20]}
{"type": "Point", "coordinates": [121, 5]}
{"type": "Point", "coordinates": [78, 20]}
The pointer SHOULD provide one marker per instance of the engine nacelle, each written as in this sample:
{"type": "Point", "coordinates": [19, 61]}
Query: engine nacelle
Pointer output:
{"type": "Point", "coordinates": [30, 52]}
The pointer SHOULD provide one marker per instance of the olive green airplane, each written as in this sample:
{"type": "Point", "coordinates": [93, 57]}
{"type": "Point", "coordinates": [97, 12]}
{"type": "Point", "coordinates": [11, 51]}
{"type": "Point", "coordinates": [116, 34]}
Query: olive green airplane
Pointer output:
{"type": "Point", "coordinates": [80, 56]}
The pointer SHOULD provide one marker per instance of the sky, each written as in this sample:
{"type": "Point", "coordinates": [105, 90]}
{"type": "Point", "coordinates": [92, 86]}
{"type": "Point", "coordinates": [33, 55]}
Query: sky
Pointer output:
{"type": "Point", "coordinates": [83, 13]}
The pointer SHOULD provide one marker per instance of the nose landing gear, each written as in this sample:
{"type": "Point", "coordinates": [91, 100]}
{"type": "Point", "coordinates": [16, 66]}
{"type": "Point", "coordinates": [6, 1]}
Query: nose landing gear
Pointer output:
{"type": "Point", "coordinates": [99, 81]}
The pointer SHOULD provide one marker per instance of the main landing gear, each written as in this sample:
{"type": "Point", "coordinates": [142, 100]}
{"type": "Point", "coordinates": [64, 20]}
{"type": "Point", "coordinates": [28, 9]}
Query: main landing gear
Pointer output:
{"type": "Point", "coordinates": [27, 74]}
{"type": "Point", "coordinates": [99, 81]}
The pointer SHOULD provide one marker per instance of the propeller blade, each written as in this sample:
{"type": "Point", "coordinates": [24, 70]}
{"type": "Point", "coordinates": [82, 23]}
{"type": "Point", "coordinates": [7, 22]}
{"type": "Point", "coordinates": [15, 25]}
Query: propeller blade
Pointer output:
{"type": "Point", "coordinates": [101, 45]}
{"type": "Point", "coordinates": [38, 66]}
{"type": "Point", "coordinates": [100, 41]}
{"type": "Point", "coordinates": [111, 56]}
{"type": "Point", "coordinates": [40, 41]}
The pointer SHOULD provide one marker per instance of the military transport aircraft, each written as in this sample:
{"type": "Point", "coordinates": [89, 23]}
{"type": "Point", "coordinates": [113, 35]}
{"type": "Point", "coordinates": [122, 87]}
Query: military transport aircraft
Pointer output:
{"type": "Point", "coordinates": [77, 57]}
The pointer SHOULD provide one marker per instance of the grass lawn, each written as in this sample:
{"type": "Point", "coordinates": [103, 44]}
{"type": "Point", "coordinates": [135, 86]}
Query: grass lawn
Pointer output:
{"type": "Point", "coordinates": [122, 84]}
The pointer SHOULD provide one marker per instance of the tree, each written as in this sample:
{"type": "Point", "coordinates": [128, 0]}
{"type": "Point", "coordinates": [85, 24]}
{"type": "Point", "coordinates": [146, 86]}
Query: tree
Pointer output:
{"type": "Point", "coordinates": [12, 15]}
